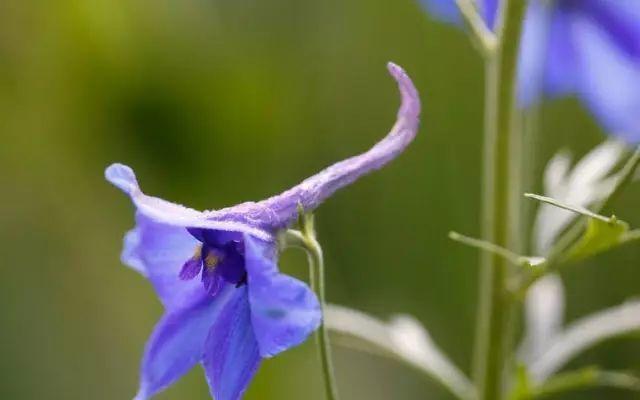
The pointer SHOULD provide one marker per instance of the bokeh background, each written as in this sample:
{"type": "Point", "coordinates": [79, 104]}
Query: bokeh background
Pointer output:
{"type": "Point", "coordinates": [215, 102]}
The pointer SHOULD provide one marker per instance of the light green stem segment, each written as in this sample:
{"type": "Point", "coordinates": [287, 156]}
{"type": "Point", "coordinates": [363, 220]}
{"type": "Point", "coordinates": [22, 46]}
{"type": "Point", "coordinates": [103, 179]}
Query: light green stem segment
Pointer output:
{"type": "Point", "coordinates": [306, 238]}
{"type": "Point", "coordinates": [500, 221]}
{"type": "Point", "coordinates": [316, 262]}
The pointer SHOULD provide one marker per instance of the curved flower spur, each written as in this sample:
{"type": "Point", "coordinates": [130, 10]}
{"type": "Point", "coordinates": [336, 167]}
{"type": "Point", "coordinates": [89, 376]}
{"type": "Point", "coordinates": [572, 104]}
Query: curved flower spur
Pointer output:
{"type": "Point", "coordinates": [241, 309]}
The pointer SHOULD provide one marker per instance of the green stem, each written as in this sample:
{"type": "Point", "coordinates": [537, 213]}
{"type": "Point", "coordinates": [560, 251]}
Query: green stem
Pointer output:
{"type": "Point", "coordinates": [480, 33]}
{"type": "Point", "coordinates": [500, 209]}
{"type": "Point", "coordinates": [316, 264]}
{"type": "Point", "coordinates": [507, 254]}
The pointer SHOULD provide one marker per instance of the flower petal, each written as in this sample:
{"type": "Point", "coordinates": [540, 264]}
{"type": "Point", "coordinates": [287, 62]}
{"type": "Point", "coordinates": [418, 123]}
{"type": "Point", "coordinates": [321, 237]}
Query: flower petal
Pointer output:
{"type": "Point", "coordinates": [169, 213]}
{"type": "Point", "coordinates": [489, 11]}
{"type": "Point", "coordinates": [130, 256]}
{"type": "Point", "coordinates": [231, 356]}
{"type": "Point", "coordinates": [447, 11]}
{"type": "Point", "coordinates": [533, 51]}
{"type": "Point", "coordinates": [544, 315]}
{"type": "Point", "coordinates": [177, 343]}
{"type": "Point", "coordinates": [212, 281]}
{"type": "Point", "coordinates": [562, 63]}
{"type": "Point", "coordinates": [610, 81]}
{"type": "Point", "coordinates": [191, 268]}
{"type": "Point", "coordinates": [284, 311]}
{"type": "Point", "coordinates": [619, 19]}
{"type": "Point", "coordinates": [444, 10]}
{"type": "Point", "coordinates": [159, 251]}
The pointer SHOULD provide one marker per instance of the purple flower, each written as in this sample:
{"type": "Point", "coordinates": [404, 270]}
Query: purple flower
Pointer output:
{"type": "Point", "coordinates": [588, 48]}
{"type": "Point", "coordinates": [226, 304]}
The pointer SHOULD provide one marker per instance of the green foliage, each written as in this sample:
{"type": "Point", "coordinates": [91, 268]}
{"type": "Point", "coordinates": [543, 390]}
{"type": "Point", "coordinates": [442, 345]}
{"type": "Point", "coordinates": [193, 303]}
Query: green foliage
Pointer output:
{"type": "Point", "coordinates": [523, 387]}
{"type": "Point", "coordinates": [599, 236]}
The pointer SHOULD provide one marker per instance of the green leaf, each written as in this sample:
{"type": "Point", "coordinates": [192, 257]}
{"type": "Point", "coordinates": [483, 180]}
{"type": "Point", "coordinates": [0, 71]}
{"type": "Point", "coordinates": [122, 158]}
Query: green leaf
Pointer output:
{"type": "Point", "coordinates": [523, 388]}
{"type": "Point", "coordinates": [599, 236]}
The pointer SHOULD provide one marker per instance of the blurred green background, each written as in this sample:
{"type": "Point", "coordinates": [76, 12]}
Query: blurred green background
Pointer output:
{"type": "Point", "coordinates": [214, 102]}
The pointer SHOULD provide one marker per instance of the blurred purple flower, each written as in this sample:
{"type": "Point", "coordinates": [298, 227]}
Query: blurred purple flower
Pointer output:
{"type": "Point", "coordinates": [589, 48]}
{"type": "Point", "coordinates": [242, 309]}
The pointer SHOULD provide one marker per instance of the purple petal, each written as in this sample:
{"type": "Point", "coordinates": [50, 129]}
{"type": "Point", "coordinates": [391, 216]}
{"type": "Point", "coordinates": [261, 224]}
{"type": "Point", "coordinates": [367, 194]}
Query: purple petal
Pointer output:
{"type": "Point", "coordinates": [284, 311]}
{"type": "Point", "coordinates": [130, 255]}
{"type": "Point", "coordinates": [191, 268]}
{"type": "Point", "coordinates": [212, 281]}
{"type": "Point", "coordinates": [447, 11]}
{"type": "Point", "coordinates": [489, 11]}
{"type": "Point", "coordinates": [168, 213]}
{"type": "Point", "coordinates": [610, 81]}
{"type": "Point", "coordinates": [533, 53]}
{"type": "Point", "coordinates": [231, 356]}
{"type": "Point", "coordinates": [562, 62]}
{"type": "Point", "coordinates": [231, 268]}
{"type": "Point", "coordinates": [444, 10]}
{"type": "Point", "coordinates": [278, 211]}
{"type": "Point", "coordinates": [618, 18]}
{"type": "Point", "coordinates": [159, 251]}
{"type": "Point", "coordinates": [177, 343]}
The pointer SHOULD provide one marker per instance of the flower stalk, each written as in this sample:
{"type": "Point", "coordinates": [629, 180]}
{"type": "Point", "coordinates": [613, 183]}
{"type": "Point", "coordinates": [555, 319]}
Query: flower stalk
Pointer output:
{"type": "Point", "coordinates": [306, 239]}
{"type": "Point", "coordinates": [500, 219]}
{"type": "Point", "coordinates": [481, 34]}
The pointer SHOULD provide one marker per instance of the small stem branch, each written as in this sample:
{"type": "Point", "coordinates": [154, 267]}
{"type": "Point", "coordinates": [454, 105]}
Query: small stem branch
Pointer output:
{"type": "Point", "coordinates": [316, 260]}
{"type": "Point", "coordinates": [481, 34]}
{"type": "Point", "coordinates": [489, 247]}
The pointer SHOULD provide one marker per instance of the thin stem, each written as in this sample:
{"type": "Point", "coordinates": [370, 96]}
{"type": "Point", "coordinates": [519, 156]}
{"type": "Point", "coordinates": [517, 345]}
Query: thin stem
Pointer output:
{"type": "Point", "coordinates": [489, 247]}
{"type": "Point", "coordinates": [317, 282]}
{"type": "Point", "coordinates": [481, 34]}
{"type": "Point", "coordinates": [500, 204]}
{"type": "Point", "coordinates": [529, 121]}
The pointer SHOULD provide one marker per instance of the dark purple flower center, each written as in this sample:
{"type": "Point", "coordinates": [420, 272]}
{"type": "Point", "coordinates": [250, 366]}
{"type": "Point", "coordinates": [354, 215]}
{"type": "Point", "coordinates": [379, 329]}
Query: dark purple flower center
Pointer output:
{"type": "Point", "coordinates": [219, 259]}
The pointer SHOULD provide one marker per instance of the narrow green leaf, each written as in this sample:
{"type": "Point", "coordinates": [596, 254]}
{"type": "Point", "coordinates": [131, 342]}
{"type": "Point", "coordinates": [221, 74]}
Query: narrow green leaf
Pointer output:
{"type": "Point", "coordinates": [599, 236]}
{"type": "Point", "coordinates": [523, 388]}
{"type": "Point", "coordinates": [586, 378]}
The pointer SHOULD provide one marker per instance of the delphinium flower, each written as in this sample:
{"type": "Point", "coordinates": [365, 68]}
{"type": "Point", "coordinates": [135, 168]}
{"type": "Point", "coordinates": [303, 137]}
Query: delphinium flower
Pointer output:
{"type": "Point", "coordinates": [227, 306]}
{"type": "Point", "coordinates": [588, 48]}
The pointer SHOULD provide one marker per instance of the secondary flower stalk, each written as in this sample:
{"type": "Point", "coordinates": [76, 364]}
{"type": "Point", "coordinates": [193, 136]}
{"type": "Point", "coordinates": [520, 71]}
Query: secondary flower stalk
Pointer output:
{"type": "Point", "coordinates": [227, 306]}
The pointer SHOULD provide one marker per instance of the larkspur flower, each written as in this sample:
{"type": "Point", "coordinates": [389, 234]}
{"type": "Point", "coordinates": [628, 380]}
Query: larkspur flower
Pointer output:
{"type": "Point", "coordinates": [587, 48]}
{"type": "Point", "coordinates": [241, 309]}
